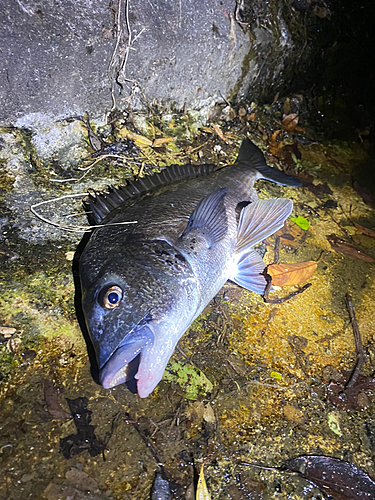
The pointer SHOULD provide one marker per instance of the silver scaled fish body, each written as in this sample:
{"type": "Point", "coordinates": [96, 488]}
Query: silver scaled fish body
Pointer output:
{"type": "Point", "coordinates": [144, 284]}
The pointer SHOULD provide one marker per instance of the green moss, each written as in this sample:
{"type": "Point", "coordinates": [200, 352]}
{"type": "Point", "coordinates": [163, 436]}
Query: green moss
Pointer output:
{"type": "Point", "coordinates": [191, 379]}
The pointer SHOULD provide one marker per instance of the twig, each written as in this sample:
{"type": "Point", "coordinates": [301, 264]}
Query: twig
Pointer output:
{"type": "Point", "coordinates": [269, 280]}
{"type": "Point", "coordinates": [358, 344]}
{"type": "Point", "coordinates": [146, 440]}
{"type": "Point", "coordinates": [101, 158]}
{"type": "Point", "coordinates": [281, 299]}
{"type": "Point", "coordinates": [77, 229]}
{"type": "Point", "coordinates": [276, 250]}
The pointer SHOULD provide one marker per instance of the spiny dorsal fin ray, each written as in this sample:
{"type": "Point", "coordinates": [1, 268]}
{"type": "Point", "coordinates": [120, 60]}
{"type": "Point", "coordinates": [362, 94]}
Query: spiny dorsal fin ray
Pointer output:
{"type": "Point", "coordinates": [101, 204]}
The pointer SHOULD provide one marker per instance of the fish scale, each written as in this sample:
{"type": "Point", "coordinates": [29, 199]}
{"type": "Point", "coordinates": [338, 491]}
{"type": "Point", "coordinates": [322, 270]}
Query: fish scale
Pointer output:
{"type": "Point", "coordinates": [143, 284]}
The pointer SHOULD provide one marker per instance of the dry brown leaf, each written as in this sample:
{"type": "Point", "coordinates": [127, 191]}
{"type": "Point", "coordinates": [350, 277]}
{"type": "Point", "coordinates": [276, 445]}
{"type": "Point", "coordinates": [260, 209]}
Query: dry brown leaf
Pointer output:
{"type": "Point", "coordinates": [291, 274]}
{"type": "Point", "coordinates": [347, 249]}
{"type": "Point", "coordinates": [161, 141]}
{"type": "Point", "coordinates": [252, 117]}
{"type": "Point", "coordinates": [290, 122]}
{"type": "Point", "coordinates": [275, 147]}
{"type": "Point", "coordinates": [287, 106]}
{"type": "Point", "coordinates": [220, 133]}
{"type": "Point", "coordinates": [202, 491]}
{"type": "Point", "coordinates": [364, 230]}
{"type": "Point", "coordinates": [242, 112]}
{"type": "Point", "coordinates": [207, 129]}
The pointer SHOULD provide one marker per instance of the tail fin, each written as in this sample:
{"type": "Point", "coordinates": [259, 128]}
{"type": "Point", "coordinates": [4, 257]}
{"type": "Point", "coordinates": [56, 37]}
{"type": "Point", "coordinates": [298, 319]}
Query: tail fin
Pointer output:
{"type": "Point", "coordinates": [249, 153]}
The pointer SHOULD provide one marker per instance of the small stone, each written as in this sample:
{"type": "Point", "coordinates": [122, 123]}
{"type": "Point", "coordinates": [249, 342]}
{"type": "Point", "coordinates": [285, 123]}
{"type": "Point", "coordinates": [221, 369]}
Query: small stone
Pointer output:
{"type": "Point", "coordinates": [28, 355]}
{"type": "Point", "coordinates": [330, 374]}
{"type": "Point", "coordinates": [293, 414]}
{"type": "Point", "coordinates": [228, 113]}
{"type": "Point", "coordinates": [363, 401]}
{"type": "Point", "coordinates": [81, 481]}
{"type": "Point", "coordinates": [13, 344]}
{"type": "Point", "coordinates": [69, 255]}
{"type": "Point", "coordinates": [242, 112]}
{"type": "Point", "coordinates": [7, 331]}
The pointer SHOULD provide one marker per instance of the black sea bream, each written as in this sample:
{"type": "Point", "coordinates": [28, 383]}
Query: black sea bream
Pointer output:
{"type": "Point", "coordinates": [144, 284]}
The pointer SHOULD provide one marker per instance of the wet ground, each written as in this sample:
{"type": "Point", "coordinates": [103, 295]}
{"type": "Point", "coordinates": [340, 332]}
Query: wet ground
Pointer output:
{"type": "Point", "coordinates": [251, 382]}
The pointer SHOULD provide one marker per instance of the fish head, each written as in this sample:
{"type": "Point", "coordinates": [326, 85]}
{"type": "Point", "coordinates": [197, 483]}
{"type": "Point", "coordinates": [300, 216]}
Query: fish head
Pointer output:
{"type": "Point", "coordinates": [132, 309]}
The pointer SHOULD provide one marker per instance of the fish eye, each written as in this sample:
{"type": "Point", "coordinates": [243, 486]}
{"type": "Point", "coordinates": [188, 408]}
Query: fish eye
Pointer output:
{"type": "Point", "coordinates": [111, 297]}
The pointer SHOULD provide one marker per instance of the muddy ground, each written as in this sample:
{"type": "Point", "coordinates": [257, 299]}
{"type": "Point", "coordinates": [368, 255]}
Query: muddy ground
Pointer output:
{"type": "Point", "coordinates": [251, 382]}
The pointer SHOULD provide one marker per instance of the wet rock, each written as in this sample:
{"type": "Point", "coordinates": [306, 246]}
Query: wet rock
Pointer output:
{"type": "Point", "coordinates": [82, 481]}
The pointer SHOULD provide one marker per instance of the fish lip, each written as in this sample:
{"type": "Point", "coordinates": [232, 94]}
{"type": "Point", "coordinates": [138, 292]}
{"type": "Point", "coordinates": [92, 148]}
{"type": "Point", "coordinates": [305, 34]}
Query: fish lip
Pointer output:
{"type": "Point", "coordinates": [116, 370]}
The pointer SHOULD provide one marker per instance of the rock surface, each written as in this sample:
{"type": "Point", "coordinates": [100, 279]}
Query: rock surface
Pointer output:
{"type": "Point", "coordinates": [61, 59]}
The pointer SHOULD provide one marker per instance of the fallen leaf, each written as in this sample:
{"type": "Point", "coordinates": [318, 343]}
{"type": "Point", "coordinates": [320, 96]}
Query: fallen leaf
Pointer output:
{"type": "Point", "coordinates": [207, 129]}
{"type": "Point", "coordinates": [301, 222]}
{"type": "Point", "coordinates": [333, 421]}
{"type": "Point", "coordinates": [347, 249]}
{"type": "Point", "coordinates": [342, 480]}
{"type": "Point", "coordinates": [364, 230]}
{"type": "Point", "coordinates": [290, 122]}
{"type": "Point", "coordinates": [195, 411]}
{"type": "Point", "coordinates": [252, 117]}
{"type": "Point", "coordinates": [291, 274]}
{"type": "Point", "coordinates": [290, 153]}
{"type": "Point", "coordinates": [286, 107]}
{"type": "Point", "coordinates": [51, 397]}
{"type": "Point", "coordinates": [202, 491]}
{"type": "Point", "coordinates": [317, 189]}
{"type": "Point", "coordinates": [352, 398]}
{"type": "Point", "coordinates": [275, 146]}
{"type": "Point", "coordinates": [220, 134]}
{"type": "Point", "coordinates": [208, 414]}
{"type": "Point", "coordinates": [363, 193]}
{"type": "Point", "coordinates": [140, 140]}
{"type": "Point", "coordinates": [161, 141]}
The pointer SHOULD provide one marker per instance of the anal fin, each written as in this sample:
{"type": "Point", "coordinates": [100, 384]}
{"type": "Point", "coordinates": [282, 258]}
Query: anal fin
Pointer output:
{"type": "Point", "coordinates": [249, 269]}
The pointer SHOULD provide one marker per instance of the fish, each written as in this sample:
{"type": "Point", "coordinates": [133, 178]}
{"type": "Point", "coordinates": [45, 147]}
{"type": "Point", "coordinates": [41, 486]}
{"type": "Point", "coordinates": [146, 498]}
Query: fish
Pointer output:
{"type": "Point", "coordinates": [193, 228]}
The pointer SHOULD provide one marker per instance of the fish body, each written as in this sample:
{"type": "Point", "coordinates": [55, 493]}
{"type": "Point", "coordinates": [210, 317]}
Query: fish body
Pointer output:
{"type": "Point", "coordinates": [144, 284]}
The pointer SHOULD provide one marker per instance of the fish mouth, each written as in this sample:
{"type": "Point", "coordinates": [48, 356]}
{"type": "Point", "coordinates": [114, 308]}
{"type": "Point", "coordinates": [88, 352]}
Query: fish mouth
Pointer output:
{"type": "Point", "coordinates": [117, 369]}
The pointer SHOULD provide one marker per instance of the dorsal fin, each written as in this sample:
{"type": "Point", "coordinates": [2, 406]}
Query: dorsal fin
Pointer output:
{"type": "Point", "coordinates": [101, 204]}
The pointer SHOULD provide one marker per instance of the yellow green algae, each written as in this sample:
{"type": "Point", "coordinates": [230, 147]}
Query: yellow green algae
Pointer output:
{"type": "Point", "coordinates": [262, 364]}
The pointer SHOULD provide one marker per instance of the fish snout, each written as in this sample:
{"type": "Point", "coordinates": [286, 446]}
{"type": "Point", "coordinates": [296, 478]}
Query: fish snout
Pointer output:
{"type": "Point", "coordinates": [117, 369]}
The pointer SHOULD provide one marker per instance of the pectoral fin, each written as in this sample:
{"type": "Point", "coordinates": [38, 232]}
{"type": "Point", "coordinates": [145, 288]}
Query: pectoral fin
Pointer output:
{"type": "Point", "coordinates": [261, 219]}
{"type": "Point", "coordinates": [209, 217]}
{"type": "Point", "coordinates": [249, 269]}
{"type": "Point", "coordinates": [257, 221]}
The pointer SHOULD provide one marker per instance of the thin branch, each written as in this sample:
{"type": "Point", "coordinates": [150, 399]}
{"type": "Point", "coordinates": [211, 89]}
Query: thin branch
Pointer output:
{"type": "Point", "coordinates": [77, 229]}
{"type": "Point", "coordinates": [358, 344]}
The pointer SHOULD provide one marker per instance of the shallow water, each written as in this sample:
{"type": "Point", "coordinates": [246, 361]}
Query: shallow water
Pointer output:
{"type": "Point", "coordinates": [262, 398]}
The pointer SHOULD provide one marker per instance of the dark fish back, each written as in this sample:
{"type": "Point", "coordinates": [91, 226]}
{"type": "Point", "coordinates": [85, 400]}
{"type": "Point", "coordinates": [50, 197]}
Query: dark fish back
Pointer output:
{"type": "Point", "coordinates": [99, 205]}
